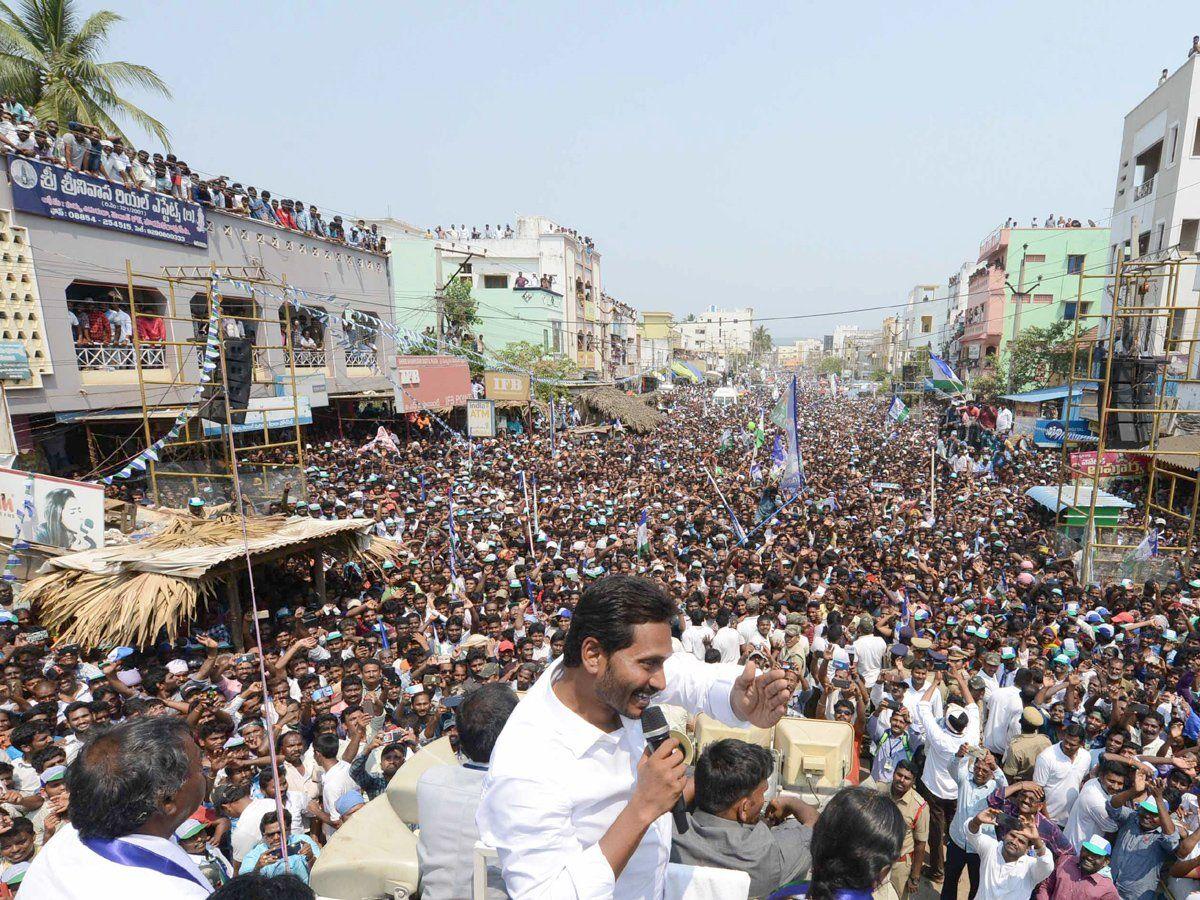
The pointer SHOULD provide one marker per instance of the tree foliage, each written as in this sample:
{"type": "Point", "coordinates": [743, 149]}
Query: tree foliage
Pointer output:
{"type": "Point", "coordinates": [830, 364]}
{"type": "Point", "coordinates": [530, 357]}
{"type": "Point", "coordinates": [1039, 356]}
{"type": "Point", "coordinates": [460, 308]}
{"type": "Point", "coordinates": [761, 341]}
{"type": "Point", "coordinates": [50, 61]}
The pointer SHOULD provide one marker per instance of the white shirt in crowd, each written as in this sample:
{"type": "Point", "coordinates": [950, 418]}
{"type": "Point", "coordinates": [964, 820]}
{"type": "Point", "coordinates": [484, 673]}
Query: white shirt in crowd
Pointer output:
{"type": "Point", "coordinates": [941, 747]}
{"type": "Point", "coordinates": [1089, 815]}
{"type": "Point", "coordinates": [557, 783]}
{"type": "Point", "coordinates": [694, 637]}
{"type": "Point", "coordinates": [1003, 719]}
{"type": "Point", "coordinates": [729, 644]}
{"type": "Point", "coordinates": [870, 649]}
{"type": "Point", "coordinates": [248, 830]}
{"type": "Point", "coordinates": [1061, 777]}
{"type": "Point", "coordinates": [67, 870]}
{"type": "Point", "coordinates": [1000, 880]}
{"type": "Point", "coordinates": [335, 782]}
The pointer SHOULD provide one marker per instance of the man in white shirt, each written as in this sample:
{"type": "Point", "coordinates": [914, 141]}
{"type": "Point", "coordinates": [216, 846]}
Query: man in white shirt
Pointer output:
{"type": "Point", "coordinates": [1004, 709]}
{"type": "Point", "coordinates": [697, 637]}
{"type": "Point", "coordinates": [335, 775]}
{"type": "Point", "coordinates": [869, 650]}
{"type": "Point", "coordinates": [574, 804]}
{"type": "Point", "coordinates": [1007, 869]}
{"type": "Point", "coordinates": [1060, 770]}
{"type": "Point", "coordinates": [1090, 815]}
{"type": "Point", "coordinates": [130, 788]}
{"type": "Point", "coordinates": [727, 641]}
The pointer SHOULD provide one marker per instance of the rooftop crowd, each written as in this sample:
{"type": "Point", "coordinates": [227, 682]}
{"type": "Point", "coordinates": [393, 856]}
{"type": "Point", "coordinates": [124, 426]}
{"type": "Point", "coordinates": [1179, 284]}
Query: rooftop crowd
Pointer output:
{"type": "Point", "coordinates": [85, 148]}
{"type": "Point", "coordinates": [1035, 732]}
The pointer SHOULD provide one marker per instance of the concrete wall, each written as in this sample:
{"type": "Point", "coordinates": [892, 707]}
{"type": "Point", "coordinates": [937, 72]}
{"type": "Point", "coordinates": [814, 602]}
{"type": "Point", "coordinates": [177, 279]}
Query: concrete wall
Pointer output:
{"type": "Point", "coordinates": [64, 252]}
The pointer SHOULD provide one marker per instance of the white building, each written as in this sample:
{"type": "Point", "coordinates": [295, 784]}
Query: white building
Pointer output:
{"type": "Point", "coordinates": [718, 332]}
{"type": "Point", "coordinates": [921, 318]}
{"type": "Point", "coordinates": [1156, 208]}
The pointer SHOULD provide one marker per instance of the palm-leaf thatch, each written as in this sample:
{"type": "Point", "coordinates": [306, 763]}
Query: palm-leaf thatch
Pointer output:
{"type": "Point", "coordinates": [133, 593]}
{"type": "Point", "coordinates": [609, 403]}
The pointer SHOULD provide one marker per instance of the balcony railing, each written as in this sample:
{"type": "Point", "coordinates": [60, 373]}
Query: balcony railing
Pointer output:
{"type": "Point", "coordinates": [110, 358]}
{"type": "Point", "coordinates": [310, 359]}
{"type": "Point", "coordinates": [358, 356]}
{"type": "Point", "coordinates": [1144, 189]}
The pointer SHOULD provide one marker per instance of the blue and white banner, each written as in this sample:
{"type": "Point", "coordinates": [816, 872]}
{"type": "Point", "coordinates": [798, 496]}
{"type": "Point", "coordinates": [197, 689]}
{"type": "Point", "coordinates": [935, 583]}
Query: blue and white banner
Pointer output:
{"type": "Point", "coordinates": [44, 189]}
{"type": "Point", "coordinates": [1050, 432]}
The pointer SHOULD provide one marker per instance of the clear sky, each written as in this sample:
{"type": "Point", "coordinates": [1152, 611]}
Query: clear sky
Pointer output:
{"type": "Point", "coordinates": [798, 158]}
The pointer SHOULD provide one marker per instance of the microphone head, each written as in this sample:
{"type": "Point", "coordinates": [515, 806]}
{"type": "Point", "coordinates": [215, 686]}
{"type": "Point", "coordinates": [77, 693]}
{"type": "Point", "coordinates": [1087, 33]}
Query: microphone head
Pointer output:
{"type": "Point", "coordinates": [654, 723]}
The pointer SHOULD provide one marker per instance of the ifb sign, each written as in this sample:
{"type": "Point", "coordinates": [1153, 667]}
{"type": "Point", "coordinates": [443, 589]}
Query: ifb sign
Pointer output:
{"type": "Point", "coordinates": [506, 386]}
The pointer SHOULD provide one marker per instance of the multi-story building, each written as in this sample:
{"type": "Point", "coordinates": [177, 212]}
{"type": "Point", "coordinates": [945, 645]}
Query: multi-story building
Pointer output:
{"type": "Point", "coordinates": [716, 333]}
{"type": "Point", "coordinates": [1156, 208]}
{"type": "Point", "coordinates": [802, 353]}
{"type": "Point", "coordinates": [921, 319]}
{"type": "Point", "coordinates": [541, 285]}
{"type": "Point", "coordinates": [861, 350]}
{"type": "Point", "coordinates": [947, 343]}
{"type": "Point", "coordinates": [658, 340]}
{"type": "Point", "coordinates": [1043, 266]}
{"type": "Point", "coordinates": [67, 268]}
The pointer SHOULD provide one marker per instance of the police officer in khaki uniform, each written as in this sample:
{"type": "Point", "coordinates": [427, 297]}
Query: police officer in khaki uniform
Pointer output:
{"type": "Point", "coordinates": [1023, 750]}
{"type": "Point", "coordinates": [906, 871]}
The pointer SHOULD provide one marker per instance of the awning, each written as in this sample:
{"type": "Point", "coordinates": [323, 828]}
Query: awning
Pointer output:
{"type": "Point", "coordinates": [129, 414]}
{"type": "Point", "coordinates": [1074, 496]}
{"type": "Point", "coordinates": [1042, 395]}
{"type": "Point", "coordinates": [683, 370]}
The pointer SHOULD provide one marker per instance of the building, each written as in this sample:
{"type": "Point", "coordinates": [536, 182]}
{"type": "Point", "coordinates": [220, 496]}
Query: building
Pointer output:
{"type": "Point", "coordinates": [893, 345]}
{"type": "Point", "coordinates": [542, 285]}
{"type": "Point", "coordinates": [1156, 213]}
{"type": "Point", "coordinates": [948, 345]}
{"type": "Point", "coordinates": [1044, 265]}
{"type": "Point", "coordinates": [58, 268]}
{"type": "Point", "coordinates": [803, 353]}
{"type": "Point", "coordinates": [716, 333]}
{"type": "Point", "coordinates": [862, 351]}
{"type": "Point", "coordinates": [658, 340]}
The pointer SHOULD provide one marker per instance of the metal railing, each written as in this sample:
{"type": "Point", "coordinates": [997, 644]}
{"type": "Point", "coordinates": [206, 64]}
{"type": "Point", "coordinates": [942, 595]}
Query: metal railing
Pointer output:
{"type": "Point", "coordinates": [357, 356]}
{"type": "Point", "coordinates": [310, 359]}
{"type": "Point", "coordinates": [110, 357]}
{"type": "Point", "coordinates": [1144, 189]}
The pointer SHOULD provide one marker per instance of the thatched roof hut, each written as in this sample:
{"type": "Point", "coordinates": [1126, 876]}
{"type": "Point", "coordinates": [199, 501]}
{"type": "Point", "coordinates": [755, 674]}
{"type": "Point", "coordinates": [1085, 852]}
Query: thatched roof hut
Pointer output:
{"type": "Point", "coordinates": [130, 593]}
{"type": "Point", "coordinates": [608, 403]}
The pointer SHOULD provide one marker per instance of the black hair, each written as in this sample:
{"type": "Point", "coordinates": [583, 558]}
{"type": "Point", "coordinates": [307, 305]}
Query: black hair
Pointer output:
{"type": "Point", "coordinates": [326, 744]}
{"type": "Point", "coordinates": [124, 772]}
{"type": "Point", "coordinates": [729, 770]}
{"type": "Point", "coordinates": [254, 886]}
{"type": "Point", "coordinates": [608, 611]}
{"type": "Point", "coordinates": [1074, 729]}
{"type": "Point", "coordinates": [1111, 765]}
{"type": "Point", "coordinates": [860, 834]}
{"type": "Point", "coordinates": [41, 759]}
{"type": "Point", "coordinates": [20, 825]}
{"type": "Point", "coordinates": [22, 736]}
{"type": "Point", "coordinates": [272, 817]}
{"type": "Point", "coordinates": [481, 717]}
{"type": "Point", "coordinates": [908, 766]}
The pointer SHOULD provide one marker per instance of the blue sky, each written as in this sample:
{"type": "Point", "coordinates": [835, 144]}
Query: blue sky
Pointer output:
{"type": "Point", "coordinates": [798, 158]}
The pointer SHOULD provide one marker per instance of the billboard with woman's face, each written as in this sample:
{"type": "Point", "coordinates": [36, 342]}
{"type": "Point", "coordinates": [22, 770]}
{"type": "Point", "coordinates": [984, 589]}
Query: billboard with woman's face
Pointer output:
{"type": "Point", "coordinates": [66, 514]}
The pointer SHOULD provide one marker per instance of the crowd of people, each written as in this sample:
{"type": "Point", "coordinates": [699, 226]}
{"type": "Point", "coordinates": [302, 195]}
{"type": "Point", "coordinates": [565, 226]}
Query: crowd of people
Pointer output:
{"type": "Point", "coordinates": [1035, 731]}
{"type": "Point", "coordinates": [85, 148]}
{"type": "Point", "coordinates": [1051, 221]}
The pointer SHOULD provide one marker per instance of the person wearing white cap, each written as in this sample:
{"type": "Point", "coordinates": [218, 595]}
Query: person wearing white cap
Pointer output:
{"type": "Point", "coordinates": [1083, 877]}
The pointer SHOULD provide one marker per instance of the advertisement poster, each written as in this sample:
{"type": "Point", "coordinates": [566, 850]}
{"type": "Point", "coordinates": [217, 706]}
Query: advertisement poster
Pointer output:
{"type": "Point", "coordinates": [67, 514]}
{"type": "Point", "coordinates": [506, 386]}
{"type": "Point", "coordinates": [44, 189]}
{"type": "Point", "coordinates": [481, 418]}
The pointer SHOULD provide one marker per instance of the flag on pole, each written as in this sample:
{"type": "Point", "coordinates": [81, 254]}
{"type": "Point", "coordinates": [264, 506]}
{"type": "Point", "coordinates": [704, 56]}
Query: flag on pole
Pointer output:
{"type": "Point", "coordinates": [1148, 547]}
{"type": "Point", "coordinates": [898, 412]}
{"type": "Point", "coordinates": [643, 532]}
{"type": "Point", "coordinates": [943, 377]}
{"type": "Point", "coordinates": [785, 415]}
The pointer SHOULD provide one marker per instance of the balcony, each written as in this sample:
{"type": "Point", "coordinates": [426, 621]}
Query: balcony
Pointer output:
{"type": "Point", "coordinates": [115, 358]}
{"type": "Point", "coordinates": [1145, 189]}
{"type": "Point", "coordinates": [305, 359]}
{"type": "Point", "coordinates": [357, 356]}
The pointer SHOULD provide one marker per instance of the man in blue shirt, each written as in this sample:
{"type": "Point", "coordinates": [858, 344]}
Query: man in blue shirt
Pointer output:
{"type": "Point", "coordinates": [266, 858]}
{"type": "Point", "coordinates": [1146, 838]}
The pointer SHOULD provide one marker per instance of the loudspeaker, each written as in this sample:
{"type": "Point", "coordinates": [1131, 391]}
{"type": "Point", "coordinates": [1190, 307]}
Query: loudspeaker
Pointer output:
{"type": "Point", "coordinates": [1132, 385]}
{"type": "Point", "coordinates": [239, 366]}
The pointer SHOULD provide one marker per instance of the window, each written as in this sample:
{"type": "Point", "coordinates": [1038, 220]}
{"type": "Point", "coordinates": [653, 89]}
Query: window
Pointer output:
{"type": "Point", "coordinates": [1196, 140]}
{"type": "Point", "coordinates": [1069, 309]}
{"type": "Point", "coordinates": [926, 324]}
{"type": "Point", "coordinates": [1074, 263]}
{"type": "Point", "coordinates": [1187, 234]}
{"type": "Point", "coordinates": [1035, 257]}
{"type": "Point", "coordinates": [467, 278]}
{"type": "Point", "coordinates": [1043, 298]}
{"type": "Point", "coordinates": [1159, 235]}
{"type": "Point", "coordinates": [1172, 143]}
{"type": "Point", "coordinates": [466, 268]}
{"type": "Point", "coordinates": [556, 336]}
{"type": "Point", "coordinates": [104, 330]}
{"type": "Point", "coordinates": [495, 281]}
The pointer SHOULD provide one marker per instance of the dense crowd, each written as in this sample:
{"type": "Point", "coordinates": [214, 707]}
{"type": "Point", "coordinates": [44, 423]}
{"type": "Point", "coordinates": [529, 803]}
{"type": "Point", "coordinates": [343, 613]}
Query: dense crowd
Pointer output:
{"type": "Point", "coordinates": [85, 148]}
{"type": "Point", "coordinates": [1034, 730]}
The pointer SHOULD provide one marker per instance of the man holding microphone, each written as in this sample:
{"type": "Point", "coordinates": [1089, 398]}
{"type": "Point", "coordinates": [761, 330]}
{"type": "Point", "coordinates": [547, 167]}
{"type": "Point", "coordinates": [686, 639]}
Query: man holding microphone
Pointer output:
{"type": "Point", "coordinates": [573, 803]}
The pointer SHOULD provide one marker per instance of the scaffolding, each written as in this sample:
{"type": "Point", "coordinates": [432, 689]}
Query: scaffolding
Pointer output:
{"type": "Point", "coordinates": [214, 447]}
{"type": "Point", "coordinates": [1137, 357]}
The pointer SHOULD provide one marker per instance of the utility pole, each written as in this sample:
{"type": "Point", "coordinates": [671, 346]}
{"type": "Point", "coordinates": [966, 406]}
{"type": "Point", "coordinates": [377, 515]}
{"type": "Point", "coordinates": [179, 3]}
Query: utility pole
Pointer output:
{"type": "Point", "coordinates": [440, 298]}
{"type": "Point", "coordinates": [1019, 294]}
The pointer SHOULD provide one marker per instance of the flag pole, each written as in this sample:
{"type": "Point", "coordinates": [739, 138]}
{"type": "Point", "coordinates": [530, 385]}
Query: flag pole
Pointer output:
{"type": "Point", "coordinates": [933, 482]}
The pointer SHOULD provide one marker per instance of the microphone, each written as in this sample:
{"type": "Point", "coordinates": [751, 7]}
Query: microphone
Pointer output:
{"type": "Point", "coordinates": [657, 731]}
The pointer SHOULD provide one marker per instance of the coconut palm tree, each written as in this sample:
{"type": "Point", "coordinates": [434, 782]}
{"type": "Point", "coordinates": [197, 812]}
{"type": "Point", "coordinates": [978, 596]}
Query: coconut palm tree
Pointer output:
{"type": "Point", "coordinates": [49, 60]}
{"type": "Point", "coordinates": [760, 341]}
